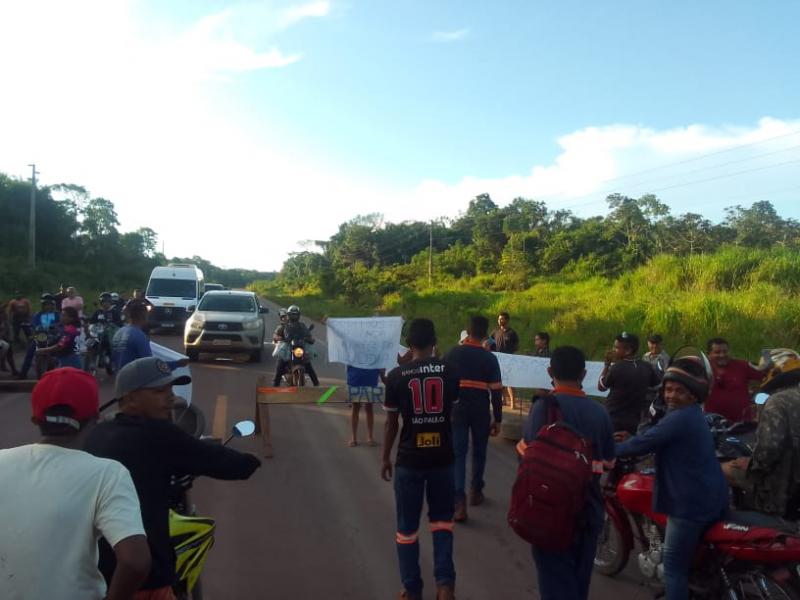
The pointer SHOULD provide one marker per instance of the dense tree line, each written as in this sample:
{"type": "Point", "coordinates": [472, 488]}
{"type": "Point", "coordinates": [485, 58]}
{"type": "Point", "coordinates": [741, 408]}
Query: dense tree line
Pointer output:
{"type": "Point", "coordinates": [78, 238]}
{"type": "Point", "coordinates": [511, 246]}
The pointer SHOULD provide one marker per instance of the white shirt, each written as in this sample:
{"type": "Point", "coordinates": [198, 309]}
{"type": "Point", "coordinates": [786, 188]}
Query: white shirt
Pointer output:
{"type": "Point", "coordinates": [55, 503]}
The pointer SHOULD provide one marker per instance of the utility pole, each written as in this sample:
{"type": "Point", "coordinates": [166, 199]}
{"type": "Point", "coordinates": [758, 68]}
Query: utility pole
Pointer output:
{"type": "Point", "coordinates": [430, 256]}
{"type": "Point", "coordinates": [32, 220]}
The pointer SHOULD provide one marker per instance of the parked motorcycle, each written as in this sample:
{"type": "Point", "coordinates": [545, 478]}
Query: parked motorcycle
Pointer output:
{"type": "Point", "coordinates": [98, 355]}
{"type": "Point", "coordinates": [734, 561]}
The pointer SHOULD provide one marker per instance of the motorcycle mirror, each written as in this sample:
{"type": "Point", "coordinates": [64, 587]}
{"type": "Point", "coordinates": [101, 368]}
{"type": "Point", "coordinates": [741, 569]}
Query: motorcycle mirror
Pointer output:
{"type": "Point", "coordinates": [243, 429]}
{"type": "Point", "coordinates": [761, 398]}
{"type": "Point", "coordinates": [311, 327]}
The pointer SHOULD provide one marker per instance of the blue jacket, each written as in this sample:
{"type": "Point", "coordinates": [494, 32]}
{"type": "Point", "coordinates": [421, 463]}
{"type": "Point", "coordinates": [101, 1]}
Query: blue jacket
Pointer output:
{"type": "Point", "coordinates": [45, 320]}
{"type": "Point", "coordinates": [689, 480]}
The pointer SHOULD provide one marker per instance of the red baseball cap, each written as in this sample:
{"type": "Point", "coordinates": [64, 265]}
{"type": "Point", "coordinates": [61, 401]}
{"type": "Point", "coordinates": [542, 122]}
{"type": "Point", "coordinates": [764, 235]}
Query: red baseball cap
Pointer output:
{"type": "Point", "coordinates": [66, 386]}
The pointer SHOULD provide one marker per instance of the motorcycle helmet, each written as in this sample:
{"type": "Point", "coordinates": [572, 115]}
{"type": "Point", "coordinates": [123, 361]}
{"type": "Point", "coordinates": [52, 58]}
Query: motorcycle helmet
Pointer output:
{"type": "Point", "coordinates": [690, 367]}
{"type": "Point", "coordinates": [105, 297]}
{"type": "Point", "coordinates": [48, 299]}
{"type": "Point", "coordinates": [293, 312]}
{"type": "Point", "coordinates": [114, 297]}
{"type": "Point", "coordinates": [783, 369]}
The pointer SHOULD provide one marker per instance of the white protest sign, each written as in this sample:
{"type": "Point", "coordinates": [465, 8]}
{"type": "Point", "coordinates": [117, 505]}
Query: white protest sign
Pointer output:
{"type": "Point", "coordinates": [531, 372]}
{"type": "Point", "coordinates": [366, 343]}
{"type": "Point", "coordinates": [169, 355]}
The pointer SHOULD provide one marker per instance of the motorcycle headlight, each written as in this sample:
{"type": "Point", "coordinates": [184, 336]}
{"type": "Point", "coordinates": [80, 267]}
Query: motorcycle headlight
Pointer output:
{"type": "Point", "coordinates": [298, 352]}
{"type": "Point", "coordinates": [255, 324]}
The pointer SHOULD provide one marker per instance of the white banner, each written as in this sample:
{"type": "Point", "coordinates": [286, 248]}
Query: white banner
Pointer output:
{"type": "Point", "coordinates": [522, 371]}
{"type": "Point", "coordinates": [168, 355]}
{"type": "Point", "coordinates": [366, 343]}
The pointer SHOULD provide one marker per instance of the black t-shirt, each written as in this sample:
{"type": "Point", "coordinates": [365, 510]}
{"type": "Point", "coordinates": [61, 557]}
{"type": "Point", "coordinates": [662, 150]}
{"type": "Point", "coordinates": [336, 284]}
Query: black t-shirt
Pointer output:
{"type": "Point", "coordinates": [628, 382]}
{"type": "Point", "coordinates": [153, 451]}
{"type": "Point", "coordinates": [423, 392]}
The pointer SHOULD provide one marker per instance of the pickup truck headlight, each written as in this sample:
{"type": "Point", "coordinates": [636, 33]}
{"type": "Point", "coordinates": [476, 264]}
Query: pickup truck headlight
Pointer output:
{"type": "Point", "coordinates": [197, 322]}
{"type": "Point", "coordinates": [255, 324]}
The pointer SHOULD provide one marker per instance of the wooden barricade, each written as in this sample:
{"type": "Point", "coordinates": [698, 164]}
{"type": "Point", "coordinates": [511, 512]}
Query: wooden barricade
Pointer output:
{"type": "Point", "coordinates": [267, 395]}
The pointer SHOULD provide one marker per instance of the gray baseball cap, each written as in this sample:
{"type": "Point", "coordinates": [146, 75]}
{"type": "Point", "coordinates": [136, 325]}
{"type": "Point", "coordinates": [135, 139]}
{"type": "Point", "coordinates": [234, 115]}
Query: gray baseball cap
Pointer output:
{"type": "Point", "coordinates": [145, 373]}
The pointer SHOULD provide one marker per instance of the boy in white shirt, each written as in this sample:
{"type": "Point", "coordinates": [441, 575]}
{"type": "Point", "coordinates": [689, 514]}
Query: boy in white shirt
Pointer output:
{"type": "Point", "coordinates": [56, 501]}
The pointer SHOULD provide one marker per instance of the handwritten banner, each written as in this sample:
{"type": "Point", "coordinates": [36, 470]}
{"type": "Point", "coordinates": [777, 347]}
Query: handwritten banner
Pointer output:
{"type": "Point", "coordinates": [531, 372]}
{"type": "Point", "coordinates": [366, 343]}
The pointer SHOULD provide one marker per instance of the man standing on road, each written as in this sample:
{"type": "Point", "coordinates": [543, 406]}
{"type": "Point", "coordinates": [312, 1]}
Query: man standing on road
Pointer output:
{"type": "Point", "coordinates": [423, 391]}
{"type": "Point", "coordinates": [629, 381]}
{"type": "Point", "coordinates": [480, 382]}
{"type": "Point", "coordinates": [131, 342]}
{"type": "Point", "coordinates": [46, 318]}
{"type": "Point", "coordinates": [143, 438]}
{"type": "Point", "coordinates": [567, 575]}
{"type": "Point", "coordinates": [506, 339]}
{"type": "Point", "coordinates": [730, 395]}
{"type": "Point", "coordinates": [58, 500]}
{"type": "Point", "coordinates": [73, 300]}
{"type": "Point", "coordinates": [19, 309]}
{"type": "Point", "coordinates": [362, 383]}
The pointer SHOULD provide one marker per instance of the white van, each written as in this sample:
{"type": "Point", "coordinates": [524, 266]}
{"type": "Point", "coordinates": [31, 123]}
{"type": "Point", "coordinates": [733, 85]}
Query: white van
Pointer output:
{"type": "Point", "coordinates": [174, 291]}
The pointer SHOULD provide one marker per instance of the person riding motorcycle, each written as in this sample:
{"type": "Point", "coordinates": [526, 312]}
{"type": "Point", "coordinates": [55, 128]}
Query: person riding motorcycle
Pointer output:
{"type": "Point", "coordinates": [154, 450]}
{"type": "Point", "coordinates": [108, 310]}
{"type": "Point", "coordinates": [286, 332]}
{"type": "Point", "coordinates": [690, 487]}
{"type": "Point", "coordinates": [46, 318]}
{"type": "Point", "coordinates": [771, 477]}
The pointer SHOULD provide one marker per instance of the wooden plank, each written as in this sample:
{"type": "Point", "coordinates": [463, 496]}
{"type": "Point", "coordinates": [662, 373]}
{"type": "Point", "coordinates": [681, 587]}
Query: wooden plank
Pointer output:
{"type": "Point", "coordinates": [18, 385]}
{"type": "Point", "coordinates": [219, 428]}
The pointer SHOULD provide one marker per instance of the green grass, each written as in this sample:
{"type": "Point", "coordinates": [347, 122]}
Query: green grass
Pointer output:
{"type": "Point", "coordinates": [751, 297]}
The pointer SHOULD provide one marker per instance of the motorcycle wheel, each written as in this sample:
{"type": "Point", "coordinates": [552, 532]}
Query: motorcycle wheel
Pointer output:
{"type": "Point", "coordinates": [90, 363]}
{"type": "Point", "coordinates": [761, 586]}
{"type": "Point", "coordinates": [611, 555]}
{"type": "Point", "coordinates": [298, 377]}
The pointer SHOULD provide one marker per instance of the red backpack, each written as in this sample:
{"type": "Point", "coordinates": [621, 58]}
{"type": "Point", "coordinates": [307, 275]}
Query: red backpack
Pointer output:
{"type": "Point", "coordinates": [550, 492]}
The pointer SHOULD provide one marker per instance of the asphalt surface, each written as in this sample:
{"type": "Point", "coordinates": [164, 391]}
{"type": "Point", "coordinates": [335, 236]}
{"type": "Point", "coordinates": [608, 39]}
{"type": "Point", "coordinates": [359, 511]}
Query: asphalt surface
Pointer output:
{"type": "Point", "coordinates": [317, 520]}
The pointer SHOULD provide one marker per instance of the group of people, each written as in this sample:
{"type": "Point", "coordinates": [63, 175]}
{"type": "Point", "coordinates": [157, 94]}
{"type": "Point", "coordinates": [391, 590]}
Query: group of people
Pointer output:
{"type": "Point", "coordinates": [62, 318]}
{"type": "Point", "coordinates": [93, 494]}
{"type": "Point", "coordinates": [655, 406]}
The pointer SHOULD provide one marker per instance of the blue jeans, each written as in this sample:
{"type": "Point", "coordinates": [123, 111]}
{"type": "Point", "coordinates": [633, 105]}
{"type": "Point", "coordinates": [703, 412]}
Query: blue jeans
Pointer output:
{"type": "Point", "coordinates": [470, 417]}
{"type": "Point", "coordinates": [567, 575]}
{"type": "Point", "coordinates": [411, 486]}
{"type": "Point", "coordinates": [28, 361]}
{"type": "Point", "coordinates": [680, 542]}
{"type": "Point", "coordinates": [71, 360]}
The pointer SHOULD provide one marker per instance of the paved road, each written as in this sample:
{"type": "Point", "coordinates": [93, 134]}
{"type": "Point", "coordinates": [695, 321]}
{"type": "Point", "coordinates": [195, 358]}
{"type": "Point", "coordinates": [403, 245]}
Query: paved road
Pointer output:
{"type": "Point", "coordinates": [317, 521]}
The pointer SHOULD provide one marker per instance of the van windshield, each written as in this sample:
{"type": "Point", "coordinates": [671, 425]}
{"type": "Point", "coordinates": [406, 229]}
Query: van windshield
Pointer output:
{"type": "Point", "coordinates": [172, 288]}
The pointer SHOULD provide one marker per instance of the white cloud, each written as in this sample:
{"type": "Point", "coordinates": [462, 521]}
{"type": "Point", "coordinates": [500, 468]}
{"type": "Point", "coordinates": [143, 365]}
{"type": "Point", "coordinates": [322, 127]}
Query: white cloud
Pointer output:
{"type": "Point", "coordinates": [293, 14]}
{"type": "Point", "coordinates": [695, 168]}
{"type": "Point", "coordinates": [101, 102]}
{"type": "Point", "coordinates": [449, 36]}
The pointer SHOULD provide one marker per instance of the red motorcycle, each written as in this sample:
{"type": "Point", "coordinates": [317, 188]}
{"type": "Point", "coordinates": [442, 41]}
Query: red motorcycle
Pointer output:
{"type": "Point", "coordinates": [733, 561]}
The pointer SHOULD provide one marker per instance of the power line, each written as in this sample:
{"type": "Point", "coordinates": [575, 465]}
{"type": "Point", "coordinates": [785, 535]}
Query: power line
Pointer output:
{"type": "Point", "coordinates": [693, 159]}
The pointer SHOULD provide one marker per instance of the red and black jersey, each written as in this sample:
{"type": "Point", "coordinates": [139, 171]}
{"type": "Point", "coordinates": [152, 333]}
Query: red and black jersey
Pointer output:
{"type": "Point", "coordinates": [423, 392]}
{"type": "Point", "coordinates": [479, 374]}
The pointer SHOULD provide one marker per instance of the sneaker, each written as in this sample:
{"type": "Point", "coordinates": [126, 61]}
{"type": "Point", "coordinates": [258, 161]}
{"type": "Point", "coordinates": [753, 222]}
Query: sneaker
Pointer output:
{"type": "Point", "coordinates": [445, 592]}
{"type": "Point", "coordinates": [460, 514]}
{"type": "Point", "coordinates": [406, 595]}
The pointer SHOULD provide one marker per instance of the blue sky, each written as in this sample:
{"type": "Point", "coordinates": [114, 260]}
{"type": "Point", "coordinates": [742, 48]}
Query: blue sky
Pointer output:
{"type": "Point", "coordinates": [405, 108]}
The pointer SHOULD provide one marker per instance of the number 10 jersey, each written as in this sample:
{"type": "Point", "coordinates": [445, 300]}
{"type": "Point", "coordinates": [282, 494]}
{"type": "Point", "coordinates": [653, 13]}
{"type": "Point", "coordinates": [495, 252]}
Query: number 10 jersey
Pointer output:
{"type": "Point", "coordinates": [423, 392]}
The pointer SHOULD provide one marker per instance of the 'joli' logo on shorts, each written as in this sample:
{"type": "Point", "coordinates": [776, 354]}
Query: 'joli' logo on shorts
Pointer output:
{"type": "Point", "coordinates": [429, 440]}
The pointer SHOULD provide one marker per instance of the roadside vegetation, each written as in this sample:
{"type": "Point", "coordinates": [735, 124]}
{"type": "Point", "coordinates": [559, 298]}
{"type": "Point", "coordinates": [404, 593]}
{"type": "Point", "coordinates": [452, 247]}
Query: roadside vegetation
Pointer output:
{"type": "Point", "coordinates": [583, 280]}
